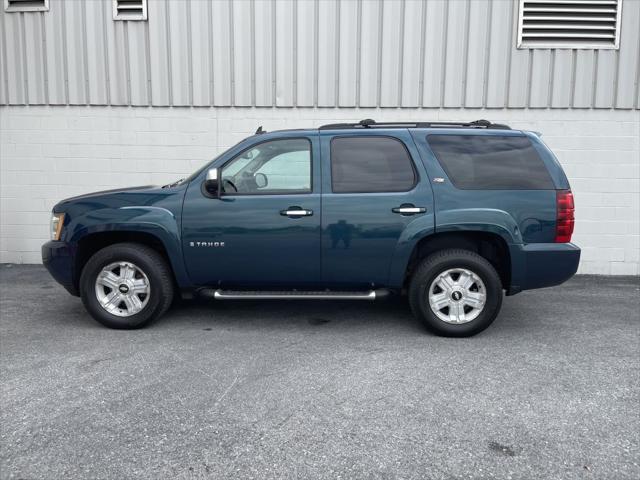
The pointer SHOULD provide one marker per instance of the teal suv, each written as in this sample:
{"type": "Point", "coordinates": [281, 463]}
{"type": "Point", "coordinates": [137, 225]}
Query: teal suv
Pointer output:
{"type": "Point", "coordinates": [451, 215]}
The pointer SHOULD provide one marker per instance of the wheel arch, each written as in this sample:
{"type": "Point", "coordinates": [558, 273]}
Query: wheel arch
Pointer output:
{"type": "Point", "coordinates": [91, 242]}
{"type": "Point", "coordinates": [489, 245]}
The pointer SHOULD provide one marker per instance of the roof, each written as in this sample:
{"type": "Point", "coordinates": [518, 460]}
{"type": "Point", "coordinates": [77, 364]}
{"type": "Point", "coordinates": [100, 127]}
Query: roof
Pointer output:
{"type": "Point", "coordinates": [372, 124]}
{"type": "Point", "coordinates": [369, 123]}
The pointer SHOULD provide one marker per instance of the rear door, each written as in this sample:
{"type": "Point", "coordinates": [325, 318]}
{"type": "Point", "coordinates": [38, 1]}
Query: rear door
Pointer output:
{"type": "Point", "coordinates": [374, 186]}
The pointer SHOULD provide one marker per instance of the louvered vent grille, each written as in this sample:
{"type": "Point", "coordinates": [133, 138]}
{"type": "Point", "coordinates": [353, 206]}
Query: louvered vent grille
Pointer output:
{"type": "Point", "coordinates": [129, 9]}
{"type": "Point", "coordinates": [569, 23]}
{"type": "Point", "coordinates": [26, 5]}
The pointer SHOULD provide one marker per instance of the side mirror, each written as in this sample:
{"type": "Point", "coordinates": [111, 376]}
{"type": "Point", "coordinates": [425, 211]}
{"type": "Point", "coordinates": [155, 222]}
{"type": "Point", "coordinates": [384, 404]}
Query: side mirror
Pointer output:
{"type": "Point", "coordinates": [212, 183]}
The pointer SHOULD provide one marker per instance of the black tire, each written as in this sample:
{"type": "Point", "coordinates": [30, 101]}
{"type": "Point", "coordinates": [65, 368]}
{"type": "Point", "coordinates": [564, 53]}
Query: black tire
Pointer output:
{"type": "Point", "coordinates": [149, 261]}
{"type": "Point", "coordinates": [440, 262]}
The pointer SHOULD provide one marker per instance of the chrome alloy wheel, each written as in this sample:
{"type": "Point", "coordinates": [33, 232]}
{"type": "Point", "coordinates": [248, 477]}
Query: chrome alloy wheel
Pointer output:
{"type": "Point", "coordinates": [122, 289]}
{"type": "Point", "coordinates": [457, 296]}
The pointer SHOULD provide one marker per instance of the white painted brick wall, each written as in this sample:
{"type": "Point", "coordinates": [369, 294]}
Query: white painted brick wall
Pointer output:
{"type": "Point", "coordinates": [49, 153]}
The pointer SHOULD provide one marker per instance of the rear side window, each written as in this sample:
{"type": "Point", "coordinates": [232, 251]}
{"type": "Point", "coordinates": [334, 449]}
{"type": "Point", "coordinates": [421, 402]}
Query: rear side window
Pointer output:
{"type": "Point", "coordinates": [370, 164]}
{"type": "Point", "coordinates": [491, 162]}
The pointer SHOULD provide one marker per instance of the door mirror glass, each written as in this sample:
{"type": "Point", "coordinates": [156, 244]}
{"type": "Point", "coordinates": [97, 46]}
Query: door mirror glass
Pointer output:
{"type": "Point", "coordinates": [261, 180]}
{"type": "Point", "coordinates": [212, 182]}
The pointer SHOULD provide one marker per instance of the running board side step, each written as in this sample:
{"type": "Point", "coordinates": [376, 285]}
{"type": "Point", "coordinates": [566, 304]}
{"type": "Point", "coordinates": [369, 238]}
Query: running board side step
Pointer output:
{"type": "Point", "coordinates": [292, 295]}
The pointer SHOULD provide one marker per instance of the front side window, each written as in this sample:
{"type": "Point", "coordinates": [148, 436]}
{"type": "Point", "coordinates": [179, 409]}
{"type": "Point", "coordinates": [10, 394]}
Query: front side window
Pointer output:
{"type": "Point", "coordinates": [370, 164]}
{"type": "Point", "coordinates": [278, 166]}
{"type": "Point", "coordinates": [491, 162]}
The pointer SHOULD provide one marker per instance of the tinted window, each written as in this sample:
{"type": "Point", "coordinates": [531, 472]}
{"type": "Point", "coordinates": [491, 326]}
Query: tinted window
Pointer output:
{"type": "Point", "coordinates": [491, 162]}
{"type": "Point", "coordinates": [278, 166]}
{"type": "Point", "coordinates": [370, 164]}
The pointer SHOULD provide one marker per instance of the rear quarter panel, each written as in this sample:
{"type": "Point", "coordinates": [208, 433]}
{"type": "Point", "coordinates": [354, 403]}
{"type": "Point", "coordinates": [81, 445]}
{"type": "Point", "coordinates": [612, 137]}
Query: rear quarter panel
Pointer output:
{"type": "Point", "coordinates": [519, 216]}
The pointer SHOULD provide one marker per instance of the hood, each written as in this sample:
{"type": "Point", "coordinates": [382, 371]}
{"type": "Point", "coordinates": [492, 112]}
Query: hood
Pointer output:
{"type": "Point", "coordinates": [102, 193]}
{"type": "Point", "coordinates": [118, 197]}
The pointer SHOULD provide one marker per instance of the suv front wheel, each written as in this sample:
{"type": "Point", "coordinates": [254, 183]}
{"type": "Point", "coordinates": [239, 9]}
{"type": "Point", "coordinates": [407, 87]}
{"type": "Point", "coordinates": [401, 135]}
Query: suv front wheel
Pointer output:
{"type": "Point", "coordinates": [126, 285]}
{"type": "Point", "coordinates": [456, 293]}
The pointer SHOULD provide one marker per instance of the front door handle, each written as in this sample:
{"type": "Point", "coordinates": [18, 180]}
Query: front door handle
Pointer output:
{"type": "Point", "coordinates": [408, 209]}
{"type": "Point", "coordinates": [295, 212]}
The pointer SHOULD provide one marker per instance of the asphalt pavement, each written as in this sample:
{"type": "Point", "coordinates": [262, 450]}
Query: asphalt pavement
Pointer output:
{"type": "Point", "coordinates": [320, 389]}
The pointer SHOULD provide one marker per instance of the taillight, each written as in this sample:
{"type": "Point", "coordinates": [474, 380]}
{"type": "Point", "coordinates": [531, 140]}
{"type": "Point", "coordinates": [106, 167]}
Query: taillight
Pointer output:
{"type": "Point", "coordinates": [564, 217]}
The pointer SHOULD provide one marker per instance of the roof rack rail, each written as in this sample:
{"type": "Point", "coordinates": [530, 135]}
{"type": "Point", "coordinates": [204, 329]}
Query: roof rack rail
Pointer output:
{"type": "Point", "coordinates": [369, 123]}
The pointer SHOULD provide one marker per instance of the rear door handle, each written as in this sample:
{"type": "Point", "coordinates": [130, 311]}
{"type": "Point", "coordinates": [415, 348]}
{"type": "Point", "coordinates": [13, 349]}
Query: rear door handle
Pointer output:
{"type": "Point", "coordinates": [295, 212]}
{"type": "Point", "coordinates": [408, 209]}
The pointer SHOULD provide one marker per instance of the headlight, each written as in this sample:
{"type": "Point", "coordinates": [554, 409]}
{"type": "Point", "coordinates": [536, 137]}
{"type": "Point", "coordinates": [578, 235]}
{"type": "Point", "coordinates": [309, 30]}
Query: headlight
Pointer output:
{"type": "Point", "coordinates": [57, 219]}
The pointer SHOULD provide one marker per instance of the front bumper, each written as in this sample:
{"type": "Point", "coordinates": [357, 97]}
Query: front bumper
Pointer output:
{"type": "Point", "coordinates": [539, 265]}
{"type": "Point", "coordinates": [58, 258]}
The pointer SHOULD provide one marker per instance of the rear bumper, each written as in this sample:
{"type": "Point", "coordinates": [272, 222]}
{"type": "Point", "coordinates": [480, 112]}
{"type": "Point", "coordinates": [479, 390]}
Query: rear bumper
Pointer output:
{"type": "Point", "coordinates": [539, 265]}
{"type": "Point", "coordinates": [58, 258]}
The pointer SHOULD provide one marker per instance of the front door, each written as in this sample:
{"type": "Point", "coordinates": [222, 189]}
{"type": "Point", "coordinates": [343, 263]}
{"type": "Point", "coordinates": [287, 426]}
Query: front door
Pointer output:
{"type": "Point", "coordinates": [372, 192]}
{"type": "Point", "coordinates": [264, 230]}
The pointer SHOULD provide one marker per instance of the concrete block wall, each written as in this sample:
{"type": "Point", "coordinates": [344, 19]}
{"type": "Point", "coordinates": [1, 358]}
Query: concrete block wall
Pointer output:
{"type": "Point", "coordinates": [49, 153]}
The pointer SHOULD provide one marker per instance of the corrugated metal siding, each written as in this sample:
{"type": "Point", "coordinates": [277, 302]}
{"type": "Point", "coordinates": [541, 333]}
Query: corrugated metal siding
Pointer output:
{"type": "Point", "coordinates": [287, 53]}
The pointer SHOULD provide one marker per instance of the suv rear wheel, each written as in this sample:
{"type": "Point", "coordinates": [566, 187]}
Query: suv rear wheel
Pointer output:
{"type": "Point", "coordinates": [126, 285]}
{"type": "Point", "coordinates": [456, 293]}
